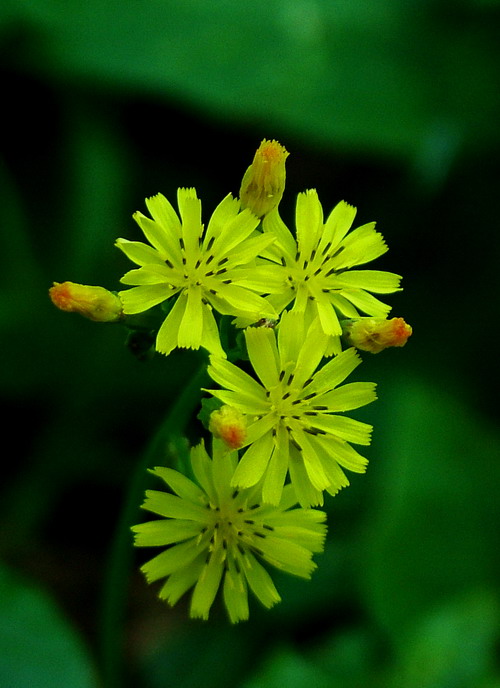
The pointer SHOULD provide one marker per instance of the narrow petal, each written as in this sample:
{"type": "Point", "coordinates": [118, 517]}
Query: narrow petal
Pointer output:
{"type": "Point", "coordinates": [308, 221]}
{"type": "Point", "coordinates": [337, 225]}
{"type": "Point", "coordinates": [228, 375]}
{"type": "Point", "coordinates": [312, 463]}
{"type": "Point", "coordinates": [346, 428]}
{"type": "Point", "coordinates": [180, 484]}
{"type": "Point", "coordinates": [164, 532]}
{"type": "Point", "coordinates": [343, 453]}
{"type": "Point", "coordinates": [227, 209]}
{"type": "Point", "coordinates": [260, 582]}
{"type": "Point", "coordinates": [235, 595]}
{"type": "Point", "coordinates": [139, 299]}
{"type": "Point", "coordinates": [377, 281]}
{"type": "Point", "coordinates": [191, 326]}
{"type": "Point", "coordinates": [334, 372]}
{"type": "Point", "coordinates": [180, 581]}
{"type": "Point", "coordinates": [139, 253]}
{"type": "Point", "coordinates": [170, 560]}
{"type": "Point", "coordinates": [274, 224]}
{"type": "Point", "coordinates": [210, 336]}
{"type": "Point", "coordinates": [253, 462]}
{"type": "Point", "coordinates": [164, 214]}
{"type": "Point", "coordinates": [277, 469]}
{"type": "Point", "coordinates": [190, 210]}
{"type": "Point", "coordinates": [347, 397]}
{"type": "Point", "coordinates": [307, 494]}
{"type": "Point", "coordinates": [263, 354]}
{"type": "Point", "coordinates": [147, 275]}
{"type": "Point", "coordinates": [166, 339]}
{"type": "Point", "coordinates": [172, 506]}
{"type": "Point", "coordinates": [158, 237]}
{"type": "Point", "coordinates": [367, 303]}
{"type": "Point", "coordinates": [206, 587]}
{"type": "Point", "coordinates": [362, 245]}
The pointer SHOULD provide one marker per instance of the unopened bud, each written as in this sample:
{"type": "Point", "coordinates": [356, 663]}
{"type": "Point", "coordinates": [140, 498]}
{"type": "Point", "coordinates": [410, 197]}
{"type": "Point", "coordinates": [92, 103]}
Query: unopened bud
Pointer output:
{"type": "Point", "coordinates": [228, 424]}
{"type": "Point", "coordinates": [376, 334]}
{"type": "Point", "coordinates": [95, 303]}
{"type": "Point", "coordinates": [264, 181]}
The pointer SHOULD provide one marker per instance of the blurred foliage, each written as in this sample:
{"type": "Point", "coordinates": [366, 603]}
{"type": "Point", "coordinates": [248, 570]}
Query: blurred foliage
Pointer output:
{"type": "Point", "coordinates": [393, 106]}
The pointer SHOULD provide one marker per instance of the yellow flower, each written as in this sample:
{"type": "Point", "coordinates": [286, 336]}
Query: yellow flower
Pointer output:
{"type": "Point", "coordinates": [264, 181]}
{"type": "Point", "coordinates": [94, 303]}
{"type": "Point", "coordinates": [216, 537]}
{"type": "Point", "coordinates": [294, 426]}
{"type": "Point", "coordinates": [318, 267]}
{"type": "Point", "coordinates": [206, 269]}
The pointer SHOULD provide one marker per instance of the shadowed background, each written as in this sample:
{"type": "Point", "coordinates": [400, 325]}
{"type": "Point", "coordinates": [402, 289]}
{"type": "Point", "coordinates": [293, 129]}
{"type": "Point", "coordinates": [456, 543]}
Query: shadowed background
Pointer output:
{"type": "Point", "coordinates": [393, 107]}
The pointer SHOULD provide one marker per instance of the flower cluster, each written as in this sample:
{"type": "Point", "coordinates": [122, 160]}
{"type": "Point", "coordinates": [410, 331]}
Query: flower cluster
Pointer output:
{"type": "Point", "coordinates": [281, 438]}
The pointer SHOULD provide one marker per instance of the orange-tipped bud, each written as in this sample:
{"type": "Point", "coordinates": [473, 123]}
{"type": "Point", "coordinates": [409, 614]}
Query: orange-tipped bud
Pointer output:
{"type": "Point", "coordinates": [95, 303]}
{"type": "Point", "coordinates": [264, 181]}
{"type": "Point", "coordinates": [229, 425]}
{"type": "Point", "coordinates": [376, 334]}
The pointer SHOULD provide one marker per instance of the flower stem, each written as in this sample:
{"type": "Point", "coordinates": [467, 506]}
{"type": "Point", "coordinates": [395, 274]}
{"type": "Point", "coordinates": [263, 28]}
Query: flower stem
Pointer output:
{"type": "Point", "coordinates": [117, 574]}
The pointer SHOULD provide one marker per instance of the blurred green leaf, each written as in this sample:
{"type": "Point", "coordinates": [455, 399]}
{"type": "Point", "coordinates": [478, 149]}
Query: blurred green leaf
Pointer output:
{"type": "Point", "coordinates": [209, 655]}
{"type": "Point", "coordinates": [287, 667]}
{"type": "Point", "coordinates": [371, 76]}
{"type": "Point", "coordinates": [430, 535]}
{"type": "Point", "coordinates": [39, 647]}
{"type": "Point", "coordinates": [453, 646]}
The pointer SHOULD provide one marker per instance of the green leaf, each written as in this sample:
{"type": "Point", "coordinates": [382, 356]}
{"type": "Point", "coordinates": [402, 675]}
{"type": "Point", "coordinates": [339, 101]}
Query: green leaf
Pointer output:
{"type": "Point", "coordinates": [287, 667]}
{"type": "Point", "coordinates": [453, 645]}
{"type": "Point", "coordinates": [40, 649]}
{"type": "Point", "coordinates": [349, 73]}
{"type": "Point", "coordinates": [435, 486]}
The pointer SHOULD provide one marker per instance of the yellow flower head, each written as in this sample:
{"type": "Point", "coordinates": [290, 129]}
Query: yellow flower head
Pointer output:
{"type": "Point", "coordinates": [376, 334]}
{"type": "Point", "coordinates": [320, 265]}
{"type": "Point", "coordinates": [297, 426]}
{"type": "Point", "coordinates": [214, 537]}
{"type": "Point", "coordinates": [95, 303]}
{"type": "Point", "coordinates": [264, 181]}
{"type": "Point", "coordinates": [206, 269]}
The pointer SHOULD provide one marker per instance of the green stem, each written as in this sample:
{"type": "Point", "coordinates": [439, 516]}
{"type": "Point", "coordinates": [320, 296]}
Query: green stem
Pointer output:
{"type": "Point", "coordinates": [117, 574]}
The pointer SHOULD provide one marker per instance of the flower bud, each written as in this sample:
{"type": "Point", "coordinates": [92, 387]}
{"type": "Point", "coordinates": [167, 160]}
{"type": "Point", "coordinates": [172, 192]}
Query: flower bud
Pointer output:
{"type": "Point", "coordinates": [95, 303]}
{"type": "Point", "coordinates": [264, 181]}
{"type": "Point", "coordinates": [376, 334]}
{"type": "Point", "coordinates": [228, 424]}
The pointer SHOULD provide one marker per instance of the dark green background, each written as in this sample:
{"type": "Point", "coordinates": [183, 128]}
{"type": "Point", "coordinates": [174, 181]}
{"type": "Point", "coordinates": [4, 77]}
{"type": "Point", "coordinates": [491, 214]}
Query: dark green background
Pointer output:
{"type": "Point", "coordinates": [392, 106]}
